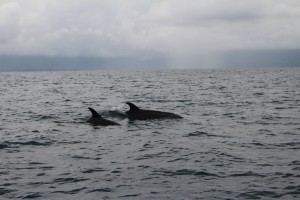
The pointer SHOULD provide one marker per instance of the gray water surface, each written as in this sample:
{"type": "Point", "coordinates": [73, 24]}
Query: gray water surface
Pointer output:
{"type": "Point", "coordinates": [239, 137]}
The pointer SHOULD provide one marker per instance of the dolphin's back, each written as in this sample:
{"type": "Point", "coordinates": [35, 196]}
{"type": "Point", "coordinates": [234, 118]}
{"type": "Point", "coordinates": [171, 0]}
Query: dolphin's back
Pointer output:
{"type": "Point", "coordinates": [101, 122]}
{"type": "Point", "coordinates": [97, 120]}
{"type": "Point", "coordinates": [140, 114]}
{"type": "Point", "coordinates": [152, 114]}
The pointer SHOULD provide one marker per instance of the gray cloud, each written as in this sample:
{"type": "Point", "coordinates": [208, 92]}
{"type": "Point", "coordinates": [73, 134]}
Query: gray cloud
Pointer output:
{"type": "Point", "coordinates": [9, 22]}
{"type": "Point", "coordinates": [179, 29]}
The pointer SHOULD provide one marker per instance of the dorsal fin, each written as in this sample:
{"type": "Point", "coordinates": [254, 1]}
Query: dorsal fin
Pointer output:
{"type": "Point", "coordinates": [132, 106]}
{"type": "Point", "coordinates": [94, 113]}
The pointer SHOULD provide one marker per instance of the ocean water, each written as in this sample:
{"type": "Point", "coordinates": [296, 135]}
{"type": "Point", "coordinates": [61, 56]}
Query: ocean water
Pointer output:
{"type": "Point", "coordinates": [239, 137]}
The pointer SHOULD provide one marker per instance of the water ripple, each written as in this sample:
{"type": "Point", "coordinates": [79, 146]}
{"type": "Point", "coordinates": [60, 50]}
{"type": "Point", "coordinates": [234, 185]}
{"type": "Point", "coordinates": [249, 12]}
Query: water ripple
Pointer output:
{"type": "Point", "coordinates": [239, 138]}
{"type": "Point", "coordinates": [180, 172]}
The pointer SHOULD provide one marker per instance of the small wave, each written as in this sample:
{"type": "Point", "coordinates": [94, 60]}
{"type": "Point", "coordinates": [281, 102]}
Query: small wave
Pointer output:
{"type": "Point", "coordinates": [4, 172]}
{"type": "Point", "coordinates": [259, 194]}
{"type": "Point", "coordinates": [201, 133]}
{"type": "Point", "coordinates": [71, 142]}
{"type": "Point", "coordinates": [149, 156]}
{"type": "Point", "coordinates": [32, 195]}
{"type": "Point", "coordinates": [130, 195]}
{"type": "Point", "coordinates": [84, 157]}
{"type": "Point", "coordinates": [101, 190]}
{"type": "Point", "coordinates": [147, 146]}
{"type": "Point", "coordinates": [116, 172]}
{"type": "Point", "coordinates": [265, 122]}
{"type": "Point", "coordinates": [75, 191]}
{"type": "Point", "coordinates": [3, 145]}
{"type": "Point", "coordinates": [295, 189]}
{"type": "Point", "coordinates": [285, 108]}
{"type": "Point", "coordinates": [286, 175]}
{"type": "Point", "coordinates": [258, 93]}
{"type": "Point", "coordinates": [35, 163]}
{"type": "Point", "coordinates": [7, 144]}
{"type": "Point", "coordinates": [38, 183]}
{"type": "Point", "coordinates": [34, 143]}
{"type": "Point", "coordinates": [183, 172]}
{"type": "Point", "coordinates": [264, 131]}
{"type": "Point", "coordinates": [69, 180]}
{"type": "Point", "coordinates": [291, 145]}
{"type": "Point", "coordinates": [201, 173]}
{"type": "Point", "coordinates": [46, 117]}
{"type": "Point", "coordinates": [5, 191]}
{"type": "Point", "coordinates": [250, 173]}
{"type": "Point", "coordinates": [197, 133]}
{"type": "Point", "coordinates": [179, 159]}
{"type": "Point", "coordinates": [295, 162]}
{"type": "Point", "coordinates": [257, 144]}
{"type": "Point", "coordinates": [88, 171]}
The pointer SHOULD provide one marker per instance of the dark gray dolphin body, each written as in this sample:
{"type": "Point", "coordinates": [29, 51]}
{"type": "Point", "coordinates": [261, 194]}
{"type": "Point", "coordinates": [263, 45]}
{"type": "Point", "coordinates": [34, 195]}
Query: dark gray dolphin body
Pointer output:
{"type": "Point", "coordinates": [136, 113]}
{"type": "Point", "coordinates": [97, 120]}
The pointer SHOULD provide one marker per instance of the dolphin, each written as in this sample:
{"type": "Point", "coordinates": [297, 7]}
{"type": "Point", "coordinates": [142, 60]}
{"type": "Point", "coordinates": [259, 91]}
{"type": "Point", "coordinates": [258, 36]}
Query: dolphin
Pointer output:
{"type": "Point", "coordinates": [136, 113]}
{"type": "Point", "coordinates": [97, 120]}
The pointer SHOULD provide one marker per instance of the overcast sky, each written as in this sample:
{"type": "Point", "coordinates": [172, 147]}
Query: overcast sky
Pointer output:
{"type": "Point", "coordinates": [174, 28]}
